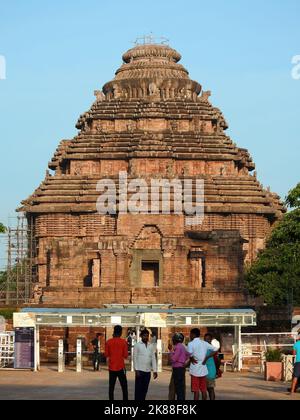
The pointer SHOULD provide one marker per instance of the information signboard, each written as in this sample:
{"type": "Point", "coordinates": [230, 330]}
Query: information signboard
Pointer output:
{"type": "Point", "coordinates": [24, 348]}
{"type": "Point", "coordinates": [153, 320]}
{"type": "Point", "coordinates": [22, 319]}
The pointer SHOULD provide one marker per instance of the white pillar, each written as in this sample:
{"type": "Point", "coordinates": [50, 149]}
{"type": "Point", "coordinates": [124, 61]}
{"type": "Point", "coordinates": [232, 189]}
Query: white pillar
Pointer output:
{"type": "Point", "coordinates": [138, 334]}
{"type": "Point", "coordinates": [79, 356]}
{"type": "Point", "coordinates": [238, 346]}
{"type": "Point", "coordinates": [159, 356]}
{"type": "Point", "coordinates": [61, 358]}
{"type": "Point", "coordinates": [132, 351]}
{"type": "Point", "coordinates": [37, 349]}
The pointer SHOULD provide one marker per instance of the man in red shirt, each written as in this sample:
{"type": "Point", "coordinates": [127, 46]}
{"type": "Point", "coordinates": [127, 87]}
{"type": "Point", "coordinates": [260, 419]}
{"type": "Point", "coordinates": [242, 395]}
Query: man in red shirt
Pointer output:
{"type": "Point", "coordinates": [116, 352]}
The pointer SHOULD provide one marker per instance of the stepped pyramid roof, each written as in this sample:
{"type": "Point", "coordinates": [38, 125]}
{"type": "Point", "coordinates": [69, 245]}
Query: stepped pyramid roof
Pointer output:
{"type": "Point", "coordinates": [153, 110]}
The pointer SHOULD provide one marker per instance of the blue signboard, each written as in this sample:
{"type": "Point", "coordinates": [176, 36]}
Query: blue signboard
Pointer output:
{"type": "Point", "coordinates": [24, 348]}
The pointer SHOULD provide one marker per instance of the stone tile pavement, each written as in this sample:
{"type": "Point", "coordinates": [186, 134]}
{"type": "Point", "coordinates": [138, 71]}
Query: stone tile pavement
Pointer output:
{"type": "Point", "coordinates": [50, 385]}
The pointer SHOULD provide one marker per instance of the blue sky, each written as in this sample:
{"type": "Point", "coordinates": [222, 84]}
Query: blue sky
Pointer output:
{"type": "Point", "coordinates": [57, 53]}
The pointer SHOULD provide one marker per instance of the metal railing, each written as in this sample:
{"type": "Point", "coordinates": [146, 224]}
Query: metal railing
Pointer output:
{"type": "Point", "coordinates": [7, 357]}
{"type": "Point", "coordinates": [265, 341]}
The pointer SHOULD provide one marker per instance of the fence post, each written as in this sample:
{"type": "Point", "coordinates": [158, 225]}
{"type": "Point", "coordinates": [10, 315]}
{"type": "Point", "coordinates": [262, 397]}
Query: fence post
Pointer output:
{"type": "Point", "coordinates": [288, 368]}
{"type": "Point", "coordinates": [61, 356]}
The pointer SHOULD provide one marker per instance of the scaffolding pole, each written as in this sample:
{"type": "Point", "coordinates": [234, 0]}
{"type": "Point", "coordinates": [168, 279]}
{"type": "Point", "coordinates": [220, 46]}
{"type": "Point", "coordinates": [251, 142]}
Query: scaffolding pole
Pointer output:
{"type": "Point", "coordinates": [20, 271]}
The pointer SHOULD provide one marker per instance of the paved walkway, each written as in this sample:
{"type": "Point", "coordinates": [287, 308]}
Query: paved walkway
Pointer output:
{"type": "Point", "coordinates": [50, 385]}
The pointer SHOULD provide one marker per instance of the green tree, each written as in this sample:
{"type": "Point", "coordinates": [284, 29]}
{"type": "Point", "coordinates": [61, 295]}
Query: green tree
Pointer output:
{"type": "Point", "coordinates": [293, 199]}
{"type": "Point", "coordinates": [3, 277]}
{"type": "Point", "coordinates": [275, 275]}
{"type": "Point", "coordinates": [2, 228]}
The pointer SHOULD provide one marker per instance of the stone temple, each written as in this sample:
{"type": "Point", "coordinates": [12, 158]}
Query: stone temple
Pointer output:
{"type": "Point", "coordinates": [152, 122]}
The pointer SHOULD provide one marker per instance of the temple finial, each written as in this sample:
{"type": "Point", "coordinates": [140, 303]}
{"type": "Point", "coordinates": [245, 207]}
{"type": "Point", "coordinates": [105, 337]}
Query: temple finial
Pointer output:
{"type": "Point", "coordinates": [151, 40]}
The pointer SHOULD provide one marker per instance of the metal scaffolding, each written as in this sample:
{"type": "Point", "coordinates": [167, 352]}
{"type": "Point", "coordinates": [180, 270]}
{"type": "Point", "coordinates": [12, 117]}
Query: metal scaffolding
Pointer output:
{"type": "Point", "coordinates": [19, 273]}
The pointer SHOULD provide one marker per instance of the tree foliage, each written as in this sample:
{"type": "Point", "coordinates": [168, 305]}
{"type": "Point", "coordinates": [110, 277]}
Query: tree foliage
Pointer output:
{"type": "Point", "coordinates": [293, 199]}
{"type": "Point", "coordinates": [275, 275]}
{"type": "Point", "coordinates": [17, 273]}
{"type": "Point", "coordinates": [2, 228]}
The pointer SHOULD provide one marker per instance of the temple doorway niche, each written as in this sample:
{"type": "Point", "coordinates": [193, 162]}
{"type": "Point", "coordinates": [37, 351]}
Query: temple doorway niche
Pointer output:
{"type": "Point", "coordinates": [88, 280]}
{"type": "Point", "coordinates": [198, 268]}
{"type": "Point", "coordinates": [150, 274]}
{"type": "Point", "coordinates": [146, 270]}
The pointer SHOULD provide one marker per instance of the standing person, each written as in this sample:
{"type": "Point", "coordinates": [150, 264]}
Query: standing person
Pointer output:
{"type": "Point", "coordinates": [144, 359]}
{"type": "Point", "coordinates": [172, 391]}
{"type": "Point", "coordinates": [179, 357]}
{"type": "Point", "coordinates": [153, 339]}
{"type": "Point", "coordinates": [198, 350]}
{"type": "Point", "coordinates": [116, 351]}
{"type": "Point", "coordinates": [129, 341]}
{"type": "Point", "coordinates": [96, 343]}
{"type": "Point", "coordinates": [296, 376]}
{"type": "Point", "coordinates": [211, 367]}
{"type": "Point", "coordinates": [217, 345]}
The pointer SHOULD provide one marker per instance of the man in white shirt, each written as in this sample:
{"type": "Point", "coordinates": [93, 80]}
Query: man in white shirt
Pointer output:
{"type": "Point", "coordinates": [198, 370]}
{"type": "Point", "coordinates": [144, 359]}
